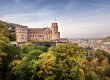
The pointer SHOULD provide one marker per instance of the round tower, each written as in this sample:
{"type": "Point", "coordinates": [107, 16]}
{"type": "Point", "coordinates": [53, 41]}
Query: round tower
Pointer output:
{"type": "Point", "coordinates": [55, 33]}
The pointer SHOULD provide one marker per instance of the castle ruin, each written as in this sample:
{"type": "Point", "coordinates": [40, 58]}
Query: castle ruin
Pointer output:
{"type": "Point", "coordinates": [24, 34]}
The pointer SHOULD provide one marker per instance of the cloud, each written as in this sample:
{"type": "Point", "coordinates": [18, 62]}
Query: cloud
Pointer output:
{"type": "Point", "coordinates": [76, 18]}
{"type": "Point", "coordinates": [30, 18]}
{"type": "Point", "coordinates": [85, 26]}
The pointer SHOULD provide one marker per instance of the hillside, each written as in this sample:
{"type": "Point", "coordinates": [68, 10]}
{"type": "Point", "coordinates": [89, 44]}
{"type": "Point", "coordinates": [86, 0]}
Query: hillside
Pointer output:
{"type": "Point", "coordinates": [10, 28]}
{"type": "Point", "coordinates": [13, 25]}
{"type": "Point", "coordinates": [106, 39]}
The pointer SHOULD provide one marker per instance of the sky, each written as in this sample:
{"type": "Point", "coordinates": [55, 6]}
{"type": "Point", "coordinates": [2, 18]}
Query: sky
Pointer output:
{"type": "Point", "coordinates": [75, 18]}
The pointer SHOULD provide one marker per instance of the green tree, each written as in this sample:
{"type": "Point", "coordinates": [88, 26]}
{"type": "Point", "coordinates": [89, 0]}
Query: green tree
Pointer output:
{"type": "Point", "coordinates": [28, 47]}
{"type": "Point", "coordinates": [42, 48]}
{"type": "Point", "coordinates": [92, 76]}
{"type": "Point", "coordinates": [3, 56]}
{"type": "Point", "coordinates": [68, 63]}
{"type": "Point", "coordinates": [107, 72]}
{"type": "Point", "coordinates": [3, 29]}
{"type": "Point", "coordinates": [8, 53]}
{"type": "Point", "coordinates": [44, 67]}
{"type": "Point", "coordinates": [23, 69]}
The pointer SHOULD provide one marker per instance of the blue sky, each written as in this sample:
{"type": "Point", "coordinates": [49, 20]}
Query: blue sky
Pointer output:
{"type": "Point", "coordinates": [76, 18]}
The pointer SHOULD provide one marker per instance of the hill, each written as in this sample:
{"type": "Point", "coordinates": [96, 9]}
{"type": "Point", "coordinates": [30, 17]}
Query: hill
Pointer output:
{"type": "Point", "coordinates": [10, 29]}
{"type": "Point", "coordinates": [106, 39]}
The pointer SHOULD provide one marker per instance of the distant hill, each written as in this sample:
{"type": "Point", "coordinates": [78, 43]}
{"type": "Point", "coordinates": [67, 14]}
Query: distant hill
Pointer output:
{"type": "Point", "coordinates": [106, 39]}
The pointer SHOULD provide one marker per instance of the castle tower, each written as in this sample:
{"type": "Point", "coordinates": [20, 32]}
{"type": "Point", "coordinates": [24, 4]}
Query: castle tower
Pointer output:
{"type": "Point", "coordinates": [55, 33]}
{"type": "Point", "coordinates": [21, 33]}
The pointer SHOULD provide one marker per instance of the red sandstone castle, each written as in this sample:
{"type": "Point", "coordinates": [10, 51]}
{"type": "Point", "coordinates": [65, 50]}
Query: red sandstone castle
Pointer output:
{"type": "Point", "coordinates": [23, 33]}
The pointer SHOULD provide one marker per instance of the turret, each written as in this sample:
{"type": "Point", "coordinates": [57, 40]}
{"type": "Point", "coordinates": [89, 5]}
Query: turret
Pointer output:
{"type": "Point", "coordinates": [55, 33]}
{"type": "Point", "coordinates": [54, 27]}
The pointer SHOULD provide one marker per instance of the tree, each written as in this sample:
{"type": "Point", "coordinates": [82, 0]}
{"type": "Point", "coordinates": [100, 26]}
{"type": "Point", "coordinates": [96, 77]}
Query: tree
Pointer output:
{"type": "Point", "coordinates": [45, 43]}
{"type": "Point", "coordinates": [3, 56]}
{"type": "Point", "coordinates": [68, 63]}
{"type": "Point", "coordinates": [42, 48]}
{"type": "Point", "coordinates": [44, 67]}
{"type": "Point", "coordinates": [12, 37]}
{"type": "Point", "coordinates": [23, 69]}
{"type": "Point", "coordinates": [8, 53]}
{"type": "Point", "coordinates": [28, 47]}
{"type": "Point", "coordinates": [92, 76]}
{"type": "Point", "coordinates": [31, 55]}
{"type": "Point", "coordinates": [60, 63]}
{"type": "Point", "coordinates": [3, 29]}
{"type": "Point", "coordinates": [107, 72]}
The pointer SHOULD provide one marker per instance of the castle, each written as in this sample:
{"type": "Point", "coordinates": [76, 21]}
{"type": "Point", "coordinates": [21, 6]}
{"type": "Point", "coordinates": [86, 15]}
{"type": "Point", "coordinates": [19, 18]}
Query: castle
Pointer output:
{"type": "Point", "coordinates": [24, 34]}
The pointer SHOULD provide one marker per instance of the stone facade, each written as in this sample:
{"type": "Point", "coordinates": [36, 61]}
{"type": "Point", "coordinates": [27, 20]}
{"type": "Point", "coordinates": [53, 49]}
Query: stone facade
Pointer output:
{"type": "Point", "coordinates": [23, 33]}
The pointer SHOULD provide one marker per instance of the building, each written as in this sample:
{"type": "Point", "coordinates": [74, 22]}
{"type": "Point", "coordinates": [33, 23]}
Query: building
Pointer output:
{"type": "Point", "coordinates": [24, 34]}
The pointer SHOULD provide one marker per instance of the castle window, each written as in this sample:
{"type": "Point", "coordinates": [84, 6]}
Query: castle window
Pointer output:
{"type": "Point", "coordinates": [33, 35]}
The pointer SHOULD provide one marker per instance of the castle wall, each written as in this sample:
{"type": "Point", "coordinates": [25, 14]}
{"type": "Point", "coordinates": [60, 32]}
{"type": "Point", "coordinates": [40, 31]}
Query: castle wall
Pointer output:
{"type": "Point", "coordinates": [24, 33]}
{"type": "Point", "coordinates": [36, 34]}
{"type": "Point", "coordinates": [55, 35]}
{"type": "Point", "coordinates": [48, 34]}
{"type": "Point", "coordinates": [39, 34]}
{"type": "Point", "coordinates": [58, 35]}
{"type": "Point", "coordinates": [21, 33]}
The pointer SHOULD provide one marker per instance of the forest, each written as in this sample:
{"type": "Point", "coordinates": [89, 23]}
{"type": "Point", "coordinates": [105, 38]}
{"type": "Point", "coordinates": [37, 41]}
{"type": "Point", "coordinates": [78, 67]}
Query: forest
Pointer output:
{"type": "Point", "coordinates": [62, 62]}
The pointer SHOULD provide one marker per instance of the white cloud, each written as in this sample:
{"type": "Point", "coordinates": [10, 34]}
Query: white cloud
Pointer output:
{"type": "Point", "coordinates": [92, 23]}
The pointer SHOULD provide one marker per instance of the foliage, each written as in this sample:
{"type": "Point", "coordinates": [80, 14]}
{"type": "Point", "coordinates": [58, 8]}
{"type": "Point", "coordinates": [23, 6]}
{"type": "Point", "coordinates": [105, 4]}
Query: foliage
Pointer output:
{"type": "Point", "coordinates": [3, 29]}
{"type": "Point", "coordinates": [12, 37]}
{"type": "Point", "coordinates": [107, 72]}
{"type": "Point", "coordinates": [33, 54]}
{"type": "Point", "coordinates": [42, 48]}
{"type": "Point", "coordinates": [44, 43]}
{"type": "Point", "coordinates": [68, 64]}
{"type": "Point", "coordinates": [28, 46]}
{"type": "Point", "coordinates": [62, 62]}
{"type": "Point", "coordinates": [8, 53]}
{"type": "Point", "coordinates": [92, 76]}
{"type": "Point", "coordinates": [45, 66]}
{"type": "Point", "coordinates": [23, 68]}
